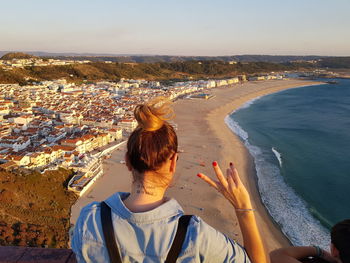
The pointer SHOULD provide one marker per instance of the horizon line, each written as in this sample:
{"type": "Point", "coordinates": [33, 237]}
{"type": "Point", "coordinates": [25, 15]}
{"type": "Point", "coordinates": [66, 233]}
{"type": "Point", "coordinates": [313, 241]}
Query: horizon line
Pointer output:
{"type": "Point", "coordinates": [72, 53]}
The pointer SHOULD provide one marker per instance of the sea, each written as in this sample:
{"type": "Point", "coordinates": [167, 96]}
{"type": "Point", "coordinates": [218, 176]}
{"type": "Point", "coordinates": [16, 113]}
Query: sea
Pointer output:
{"type": "Point", "coordinates": [300, 141]}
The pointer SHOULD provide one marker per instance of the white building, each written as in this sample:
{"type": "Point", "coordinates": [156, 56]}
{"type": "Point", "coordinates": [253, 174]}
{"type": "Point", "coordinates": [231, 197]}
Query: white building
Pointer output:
{"type": "Point", "coordinates": [127, 124]}
{"type": "Point", "coordinates": [17, 144]}
{"type": "Point", "coordinates": [25, 120]}
{"type": "Point", "coordinates": [233, 81]}
{"type": "Point", "coordinates": [221, 82]}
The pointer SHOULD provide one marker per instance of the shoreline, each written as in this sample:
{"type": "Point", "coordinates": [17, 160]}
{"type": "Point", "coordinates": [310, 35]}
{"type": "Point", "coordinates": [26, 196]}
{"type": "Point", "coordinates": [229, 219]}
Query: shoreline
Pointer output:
{"type": "Point", "coordinates": [225, 143]}
{"type": "Point", "coordinates": [204, 137]}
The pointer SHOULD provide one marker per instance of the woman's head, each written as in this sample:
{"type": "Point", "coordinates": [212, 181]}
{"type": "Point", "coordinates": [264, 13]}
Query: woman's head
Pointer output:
{"type": "Point", "coordinates": [340, 238]}
{"type": "Point", "coordinates": [154, 141]}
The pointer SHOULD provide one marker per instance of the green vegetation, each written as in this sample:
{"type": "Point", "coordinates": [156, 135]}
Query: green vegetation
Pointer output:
{"type": "Point", "coordinates": [168, 59]}
{"type": "Point", "coordinates": [335, 62]}
{"type": "Point", "coordinates": [35, 208]}
{"type": "Point", "coordinates": [95, 71]}
{"type": "Point", "coordinates": [12, 76]}
{"type": "Point", "coordinates": [164, 68]}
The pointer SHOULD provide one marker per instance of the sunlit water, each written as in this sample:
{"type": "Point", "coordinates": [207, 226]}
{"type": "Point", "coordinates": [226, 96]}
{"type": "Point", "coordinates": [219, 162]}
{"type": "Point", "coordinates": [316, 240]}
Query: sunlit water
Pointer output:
{"type": "Point", "coordinates": [300, 141]}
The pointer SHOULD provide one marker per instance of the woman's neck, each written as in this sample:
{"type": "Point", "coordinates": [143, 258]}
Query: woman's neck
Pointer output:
{"type": "Point", "coordinates": [144, 198]}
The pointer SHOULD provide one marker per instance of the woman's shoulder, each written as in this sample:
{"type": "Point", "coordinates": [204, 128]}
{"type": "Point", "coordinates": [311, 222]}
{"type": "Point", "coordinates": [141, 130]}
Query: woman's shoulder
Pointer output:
{"type": "Point", "coordinates": [88, 211]}
{"type": "Point", "coordinates": [205, 231]}
{"type": "Point", "coordinates": [91, 207]}
{"type": "Point", "coordinates": [202, 225]}
{"type": "Point", "coordinates": [95, 206]}
{"type": "Point", "coordinates": [88, 215]}
{"type": "Point", "coordinates": [212, 243]}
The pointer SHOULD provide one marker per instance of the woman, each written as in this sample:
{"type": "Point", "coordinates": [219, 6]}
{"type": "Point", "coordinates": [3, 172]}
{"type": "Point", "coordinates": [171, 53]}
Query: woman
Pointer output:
{"type": "Point", "coordinates": [145, 222]}
{"type": "Point", "coordinates": [340, 249]}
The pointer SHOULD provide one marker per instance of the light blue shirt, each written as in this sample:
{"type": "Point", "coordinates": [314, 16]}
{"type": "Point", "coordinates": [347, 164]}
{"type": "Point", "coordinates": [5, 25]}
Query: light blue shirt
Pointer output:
{"type": "Point", "coordinates": [148, 236]}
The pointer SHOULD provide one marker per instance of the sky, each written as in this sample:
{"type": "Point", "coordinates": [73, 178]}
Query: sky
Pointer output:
{"type": "Point", "coordinates": [177, 27]}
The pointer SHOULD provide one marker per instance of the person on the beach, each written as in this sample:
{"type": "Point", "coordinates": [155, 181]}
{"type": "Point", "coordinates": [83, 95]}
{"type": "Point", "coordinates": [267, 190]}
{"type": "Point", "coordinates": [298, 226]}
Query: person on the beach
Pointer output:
{"type": "Point", "coordinates": [145, 223]}
{"type": "Point", "coordinates": [339, 248]}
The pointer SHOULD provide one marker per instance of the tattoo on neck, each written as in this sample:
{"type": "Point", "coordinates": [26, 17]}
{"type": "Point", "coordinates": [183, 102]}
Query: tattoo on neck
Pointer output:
{"type": "Point", "coordinates": [142, 190]}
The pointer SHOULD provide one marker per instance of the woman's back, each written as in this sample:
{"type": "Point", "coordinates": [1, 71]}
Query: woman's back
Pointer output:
{"type": "Point", "coordinates": [148, 236]}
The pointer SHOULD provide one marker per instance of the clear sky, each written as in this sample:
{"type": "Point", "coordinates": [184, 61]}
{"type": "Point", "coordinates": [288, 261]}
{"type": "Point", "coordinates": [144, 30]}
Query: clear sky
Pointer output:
{"type": "Point", "coordinates": [177, 27]}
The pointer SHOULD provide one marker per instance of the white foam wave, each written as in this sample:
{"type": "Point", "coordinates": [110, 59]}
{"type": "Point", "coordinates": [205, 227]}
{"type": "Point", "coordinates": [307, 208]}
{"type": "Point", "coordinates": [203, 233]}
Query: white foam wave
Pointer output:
{"type": "Point", "coordinates": [248, 103]}
{"type": "Point", "coordinates": [236, 128]}
{"type": "Point", "coordinates": [288, 210]}
{"type": "Point", "coordinates": [278, 156]}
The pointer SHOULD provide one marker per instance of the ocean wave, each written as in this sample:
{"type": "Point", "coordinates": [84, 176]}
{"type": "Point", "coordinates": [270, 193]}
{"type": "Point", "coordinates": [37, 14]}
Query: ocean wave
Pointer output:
{"type": "Point", "coordinates": [278, 155]}
{"type": "Point", "coordinates": [288, 210]}
{"type": "Point", "coordinates": [248, 103]}
{"type": "Point", "coordinates": [237, 129]}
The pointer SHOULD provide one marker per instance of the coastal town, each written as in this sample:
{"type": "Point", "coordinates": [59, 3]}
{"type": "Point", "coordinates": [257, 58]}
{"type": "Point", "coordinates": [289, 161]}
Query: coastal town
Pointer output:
{"type": "Point", "coordinates": [52, 124]}
{"type": "Point", "coordinates": [174, 131]}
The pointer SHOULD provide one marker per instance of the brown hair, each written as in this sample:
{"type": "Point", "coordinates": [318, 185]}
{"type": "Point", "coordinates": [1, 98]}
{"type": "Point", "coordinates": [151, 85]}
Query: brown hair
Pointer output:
{"type": "Point", "coordinates": [340, 237]}
{"type": "Point", "coordinates": [154, 140]}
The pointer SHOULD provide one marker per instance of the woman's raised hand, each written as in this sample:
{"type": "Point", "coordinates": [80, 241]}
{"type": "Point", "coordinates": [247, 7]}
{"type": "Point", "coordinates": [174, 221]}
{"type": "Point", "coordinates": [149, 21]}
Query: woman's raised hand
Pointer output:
{"type": "Point", "coordinates": [231, 186]}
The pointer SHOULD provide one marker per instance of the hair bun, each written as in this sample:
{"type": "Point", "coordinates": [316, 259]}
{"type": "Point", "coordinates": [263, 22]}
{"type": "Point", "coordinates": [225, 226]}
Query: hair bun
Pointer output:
{"type": "Point", "coordinates": [152, 115]}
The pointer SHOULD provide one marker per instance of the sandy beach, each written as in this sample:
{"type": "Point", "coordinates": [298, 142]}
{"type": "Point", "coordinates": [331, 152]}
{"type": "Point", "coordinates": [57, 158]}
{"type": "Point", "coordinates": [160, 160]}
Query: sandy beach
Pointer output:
{"type": "Point", "coordinates": [204, 137]}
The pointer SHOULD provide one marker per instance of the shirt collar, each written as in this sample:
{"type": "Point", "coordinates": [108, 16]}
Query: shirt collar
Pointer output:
{"type": "Point", "coordinates": [166, 210]}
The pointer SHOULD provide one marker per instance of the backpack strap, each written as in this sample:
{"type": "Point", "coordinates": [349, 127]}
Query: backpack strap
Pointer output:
{"type": "Point", "coordinates": [180, 235]}
{"type": "Point", "coordinates": [111, 245]}
{"type": "Point", "coordinates": [108, 232]}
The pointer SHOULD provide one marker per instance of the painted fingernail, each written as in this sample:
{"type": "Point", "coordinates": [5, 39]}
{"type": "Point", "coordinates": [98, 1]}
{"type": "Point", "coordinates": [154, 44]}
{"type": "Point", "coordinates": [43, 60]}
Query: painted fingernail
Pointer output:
{"type": "Point", "coordinates": [199, 175]}
{"type": "Point", "coordinates": [231, 164]}
{"type": "Point", "coordinates": [215, 163]}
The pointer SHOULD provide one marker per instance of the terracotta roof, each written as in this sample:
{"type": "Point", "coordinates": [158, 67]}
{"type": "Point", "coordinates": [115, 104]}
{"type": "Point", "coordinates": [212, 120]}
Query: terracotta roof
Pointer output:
{"type": "Point", "coordinates": [8, 165]}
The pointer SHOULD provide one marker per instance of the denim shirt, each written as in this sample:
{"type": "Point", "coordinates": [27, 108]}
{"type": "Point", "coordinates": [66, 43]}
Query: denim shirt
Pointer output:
{"type": "Point", "coordinates": [148, 236]}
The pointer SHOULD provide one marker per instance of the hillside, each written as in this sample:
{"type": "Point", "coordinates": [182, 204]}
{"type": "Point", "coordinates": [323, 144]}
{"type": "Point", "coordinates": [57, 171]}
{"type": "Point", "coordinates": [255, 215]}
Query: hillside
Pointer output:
{"type": "Point", "coordinates": [96, 71]}
{"type": "Point", "coordinates": [35, 208]}
{"type": "Point", "coordinates": [169, 58]}
{"type": "Point", "coordinates": [336, 62]}
{"type": "Point", "coordinates": [16, 55]}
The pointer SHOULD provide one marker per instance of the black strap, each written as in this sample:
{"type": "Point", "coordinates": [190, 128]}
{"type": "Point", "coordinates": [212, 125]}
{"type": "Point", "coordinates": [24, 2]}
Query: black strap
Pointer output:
{"type": "Point", "coordinates": [108, 232]}
{"type": "Point", "coordinates": [179, 239]}
{"type": "Point", "coordinates": [112, 248]}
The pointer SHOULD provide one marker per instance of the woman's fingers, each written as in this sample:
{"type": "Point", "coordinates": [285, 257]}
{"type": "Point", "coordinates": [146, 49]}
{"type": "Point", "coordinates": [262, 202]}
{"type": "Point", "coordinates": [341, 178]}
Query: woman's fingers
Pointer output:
{"type": "Point", "coordinates": [219, 175]}
{"type": "Point", "coordinates": [230, 186]}
{"type": "Point", "coordinates": [235, 175]}
{"type": "Point", "coordinates": [208, 180]}
{"type": "Point", "coordinates": [231, 183]}
{"type": "Point", "coordinates": [231, 180]}
{"type": "Point", "coordinates": [228, 174]}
